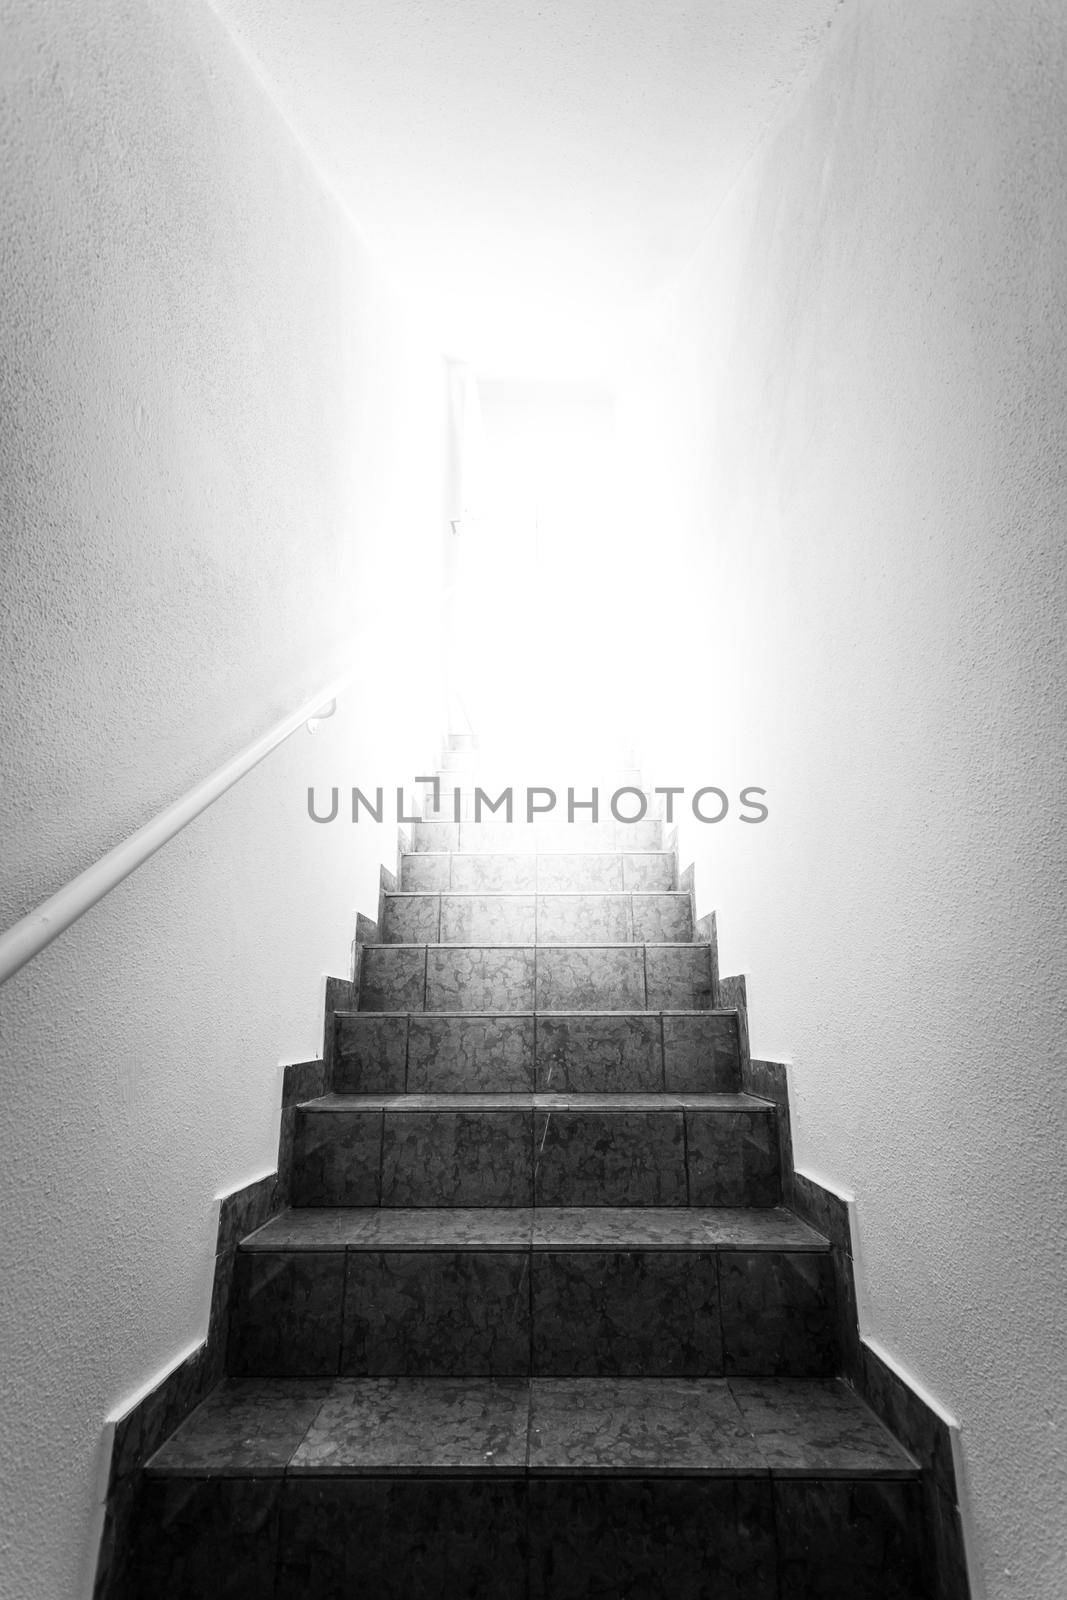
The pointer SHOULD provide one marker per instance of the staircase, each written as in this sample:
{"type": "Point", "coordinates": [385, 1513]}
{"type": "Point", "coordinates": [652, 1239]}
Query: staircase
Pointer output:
{"type": "Point", "coordinates": [537, 1324]}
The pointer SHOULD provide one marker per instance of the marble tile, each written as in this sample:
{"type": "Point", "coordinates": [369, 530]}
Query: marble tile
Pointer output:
{"type": "Point", "coordinates": [418, 1426]}
{"type": "Point", "coordinates": [495, 874]}
{"type": "Point", "coordinates": [609, 1158]}
{"type": "Point", "coordinates": [435, 836]}
{"type": "Point", "coordinates": [848, 1323]}
{"type": "Point", "coordinates": [411, 919]}
{"type": "Point", "coordinates": [663, 918]}
{"type": "Point", "coordinates": [732, 1158]}
{"type": "Point", "coordinates": [820, 1429]}
{"type": "Point", "coordinates": [464, 1054]}
{"type": "Point", "coordinates": [826, 1211]}
{"type": "Point", "coordinates": [402, 1538]}
{"type": "Point", "coordinates": [437, 1313]}
{"type": "Point", "coordinates": [700, 1052]}
{"type": "Point", "coordinates": [608, 978]}
{"type": "Point", "coordinates": [570, 1100]}
{"type": "Point", "coordinates": [148, 1423]}
{"type": "Point", "coordinates": [302, 1080]}
{"type": "Point", "coordinates": [244, 1210]}
{"type": "Point", "coordinates": [599, 1054]}
{"type": "Point", "coordinates": [652, 1539]}
{"type": "Point", "coordinates": [457, 1158]}
{"type": "Point", "coordinates": [467, 978]}
{"type": "Point", "coordinates": [947, 1554]}
{"type": "Point", "coordinates": [849, 1539]}
{"type": "Point", "coordinates": [639, 1426]}
{"type": "Point", "coordinates": [648, 870]}
{"type": "Point", "coordinates": [337, 1159]}
{"type": "Point", "coordinates": [555, 836]}
{"type": "Point", "coordinates": [778, 1315]}
{"type": "Point", "coordinates": [424, 873]}
{"type": "Point", "coordinates": [207, 1536]}
{"type": "Point", "coordinates": [583, 919]}
{"type": "Point", "coordinates": [448, 1228]}
{"type": "Point", "coordinates": [286, 1319]}
{"type": "Point", "coordinates": [566, 872]}
{"type": "Point", "coordinates": [910, 1419]}
{"type": "Point", "coordinates": [639, 837]}
{"type": "Point", "coordinates": [625, 1313]}
{"type": "Point", "coordinates": [769, 1228]}
{"type": "Point", "coordinates": [487, 919]}
{"type": "Point", "coordinates": [370, 1053]}
{"type": "Point", "coordinates": [332, 1228]}
{"type": "Point", "coordinates": [619, 1228]}
{"type": "Point", "coordinates": [393, 978]}
{"type": "Point", "coordinates": [679, 977]}
{"type": "Point", "coordinates": [451, 1157]}
{"type": "Point", "coordinates": [250, 1427]}
{"type": "Point", "coordinates": [492, 838]}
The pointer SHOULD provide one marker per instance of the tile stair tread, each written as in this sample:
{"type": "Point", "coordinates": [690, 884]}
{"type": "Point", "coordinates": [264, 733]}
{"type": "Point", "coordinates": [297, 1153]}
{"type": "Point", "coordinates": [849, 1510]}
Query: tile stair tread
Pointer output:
{"type": "Point", "coordinates": [527, 855]}
{"type": "Point", "coordinates": [581, 1427]}
{"type": "Point", "coordinates": [512, 1016]}
{"type": "Point", "coordinates": [543, 1227]}
{"type": "Point", "coordinates": [525, 1100]}
{"type": "Point", "coordinates": [528, 894]}
{"type": "Point", "coordinates": [527, 944]}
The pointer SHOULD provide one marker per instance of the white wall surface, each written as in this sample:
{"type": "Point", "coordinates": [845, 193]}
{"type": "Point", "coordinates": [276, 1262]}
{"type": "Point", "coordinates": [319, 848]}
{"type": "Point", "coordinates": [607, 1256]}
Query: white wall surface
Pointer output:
{"type": "Point", "coordinates": [855, 404]}
{"type": "Point", "coordinates": [533, 168]}
{"type": "Point", "coordinates": [219, 479]}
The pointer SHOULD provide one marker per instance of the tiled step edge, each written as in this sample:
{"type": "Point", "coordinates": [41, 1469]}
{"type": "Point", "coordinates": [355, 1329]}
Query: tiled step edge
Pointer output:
{"type": "Point", "coordinates": [544, 1149]}
{"type": "Point", "coordinates": [678, 1052]}
{"type": "Point", "coordinates": [677, 1292]}
{"type": "Point", "coordinates": [921, 1429]}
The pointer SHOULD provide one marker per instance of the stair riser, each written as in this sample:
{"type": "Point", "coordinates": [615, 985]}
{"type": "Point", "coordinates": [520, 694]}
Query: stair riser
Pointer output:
{"type": "Point", "coordinates": [525, 873]}
{"type": "Point", "coordinates": [439, 1053]}
{"type": "Point", "coordinates": [537, 919]}
{"type": "Point", "coordinates": [527, 978]}
{"type": "Point", "coordinates": [475, 1312]}
{"type": "Point", "coordinates": [521, 1158]}
{"type": "Point", "coordinates": [548, 835]}
{"type": "Point", "coordinates": [425, 1537]}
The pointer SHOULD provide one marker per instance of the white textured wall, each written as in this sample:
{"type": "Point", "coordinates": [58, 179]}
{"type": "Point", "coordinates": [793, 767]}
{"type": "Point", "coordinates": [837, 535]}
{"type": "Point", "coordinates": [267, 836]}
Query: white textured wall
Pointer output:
{"type": "Point", "coordinates": [856, 411]}
{"type": "Point", "coordinates": [218, 477]}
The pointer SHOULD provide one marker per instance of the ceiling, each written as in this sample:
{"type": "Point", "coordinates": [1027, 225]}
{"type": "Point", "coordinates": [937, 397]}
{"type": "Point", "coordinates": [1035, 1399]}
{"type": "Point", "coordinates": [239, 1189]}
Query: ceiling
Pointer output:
{"type": "Point", "coordinates": [531, 170]}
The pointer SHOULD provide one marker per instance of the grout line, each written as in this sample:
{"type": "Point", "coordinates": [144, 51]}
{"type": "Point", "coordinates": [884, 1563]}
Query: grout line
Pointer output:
{"type": "Point", "coordinates": [774, 1534]}
{"type": "Point", "coordinates": [662, 1054]}
{"type": "Point", "coordinates": [685, 1150]}
{"type": "Point", "coordinates": [341, 1319]}
{"type": "Point", "coordinates": [407, 1050]}
{"type": "Point", "coordinates": [381, 1158]}
{"type": "Point", "coordinates": [718, 1299]}
{"type": "Point", "coordinates": [530, 1300]}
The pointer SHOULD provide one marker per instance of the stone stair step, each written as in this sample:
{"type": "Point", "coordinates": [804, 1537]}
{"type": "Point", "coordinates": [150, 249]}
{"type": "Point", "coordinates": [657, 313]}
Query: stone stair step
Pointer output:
{"type": "Point", "coordinates": [522, 1228]}
{"type": "Point", "coordinates": [429, 1488]}
{"type": "Point", "coordinates": [584, 1052]}
{"type": "Point", "coordinates": [743, 1427]}
{"type": "Point", "coordinates": [575, 1291]}
{"type": "Point", "coordinates": [549, 834]}
{"type": "Point", "coordinates": [514, 978]}
{"type": "Point", "coordinates": [496, 918]}
{"type": "Point", "coordinates": [543, 1149]}
{"type": "Point", "coordinates": [527, 872]}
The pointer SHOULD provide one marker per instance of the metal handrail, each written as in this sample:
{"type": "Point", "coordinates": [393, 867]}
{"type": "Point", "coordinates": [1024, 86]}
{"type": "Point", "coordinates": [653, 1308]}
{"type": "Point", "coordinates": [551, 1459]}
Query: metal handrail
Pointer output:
{"type": "Point", "coordinates": [33, 932]}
